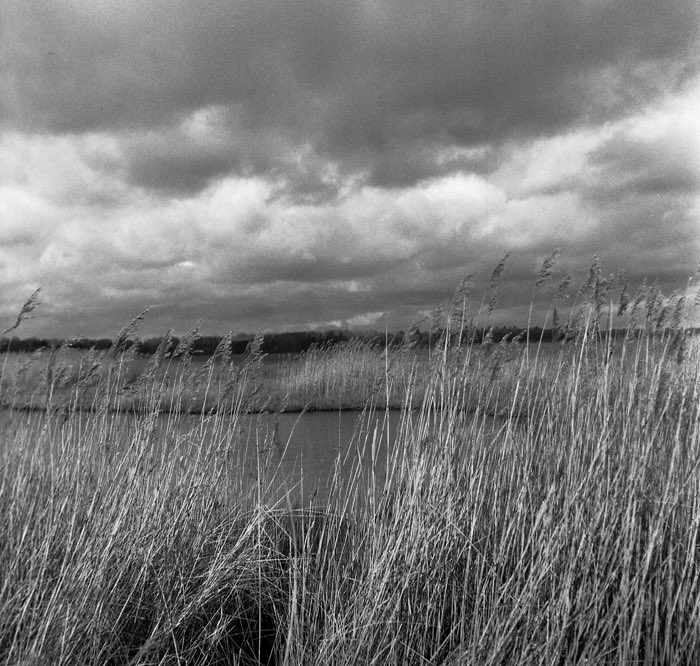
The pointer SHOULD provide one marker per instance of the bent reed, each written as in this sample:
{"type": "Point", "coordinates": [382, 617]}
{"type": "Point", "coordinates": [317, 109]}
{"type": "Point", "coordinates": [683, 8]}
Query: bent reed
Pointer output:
{"type": "Point", "coordinates": [572, 537]}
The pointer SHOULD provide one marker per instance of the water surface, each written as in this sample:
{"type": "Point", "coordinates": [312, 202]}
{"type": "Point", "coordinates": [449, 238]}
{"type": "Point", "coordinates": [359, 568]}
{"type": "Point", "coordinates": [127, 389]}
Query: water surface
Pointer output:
{"type": "Point", "coordinates": [289, 454]}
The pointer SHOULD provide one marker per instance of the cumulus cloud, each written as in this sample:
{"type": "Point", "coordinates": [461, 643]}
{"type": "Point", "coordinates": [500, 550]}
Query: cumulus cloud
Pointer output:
{"type": "Point", "coordinates": [378, 87]}
{"type": "Point", "coordinates": [277, 164]}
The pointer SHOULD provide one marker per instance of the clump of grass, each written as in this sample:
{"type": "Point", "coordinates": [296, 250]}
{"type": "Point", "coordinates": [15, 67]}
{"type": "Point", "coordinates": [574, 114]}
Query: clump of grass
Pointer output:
{"type": "Point", "coordinates": [564, 531]}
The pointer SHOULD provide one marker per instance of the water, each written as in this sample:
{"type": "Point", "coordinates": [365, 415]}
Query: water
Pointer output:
{"type": "Point", "coordinates": [295, 452]}
{"type": "Point", "coordinates": [306, 450]}
{"type": "Point", "coordinates": [290, 455]}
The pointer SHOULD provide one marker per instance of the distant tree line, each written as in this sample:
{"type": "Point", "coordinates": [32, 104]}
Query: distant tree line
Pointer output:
{"type": "Point", "coordinates": [205, 345]}
{"type": "Point", "coordinates": [300, 341]}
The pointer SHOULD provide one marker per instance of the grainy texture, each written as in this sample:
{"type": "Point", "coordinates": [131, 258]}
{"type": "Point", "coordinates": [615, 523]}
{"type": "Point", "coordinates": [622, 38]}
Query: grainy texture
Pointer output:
{"type": "Point", "coordinates": [573, 537]}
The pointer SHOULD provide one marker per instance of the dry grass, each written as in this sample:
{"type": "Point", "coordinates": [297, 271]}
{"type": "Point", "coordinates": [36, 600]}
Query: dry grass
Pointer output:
{"type": "Point", "coordinates": [573, 537]}
{"type": "Point", "coordinates": [349, 375]}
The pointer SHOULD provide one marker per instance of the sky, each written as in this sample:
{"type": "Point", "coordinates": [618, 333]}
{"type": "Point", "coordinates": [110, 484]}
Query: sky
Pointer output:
{"type": "Point", "coordinates": [302, 164]}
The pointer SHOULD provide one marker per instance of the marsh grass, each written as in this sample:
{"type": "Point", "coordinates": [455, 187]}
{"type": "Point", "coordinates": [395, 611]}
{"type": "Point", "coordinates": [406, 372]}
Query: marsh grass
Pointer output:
{"type": "Point", "coordinates": [348, 375]}
{"type": "Point", "coordinates": [571, 537]}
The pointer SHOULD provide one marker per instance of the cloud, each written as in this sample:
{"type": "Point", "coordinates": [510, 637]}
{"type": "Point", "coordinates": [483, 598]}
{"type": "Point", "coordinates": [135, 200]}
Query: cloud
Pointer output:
{"type": "Point", "coordinates": [659, 154]}
{"type": "Point", "coordinates": [277, 164]}
{"type": "Point", "coordinates": [378, 89]}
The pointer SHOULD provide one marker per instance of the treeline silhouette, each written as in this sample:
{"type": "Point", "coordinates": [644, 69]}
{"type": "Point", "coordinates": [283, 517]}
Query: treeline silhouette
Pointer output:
{"type": "Point", "coordinates": [273, 343]}
{"type": "Point", "coordinates": [292, 342]}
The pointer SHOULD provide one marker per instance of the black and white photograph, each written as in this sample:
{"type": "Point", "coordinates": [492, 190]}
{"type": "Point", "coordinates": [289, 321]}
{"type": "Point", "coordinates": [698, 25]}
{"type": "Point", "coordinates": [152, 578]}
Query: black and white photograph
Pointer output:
{"type": "Point", "coordinates": [349, 333]}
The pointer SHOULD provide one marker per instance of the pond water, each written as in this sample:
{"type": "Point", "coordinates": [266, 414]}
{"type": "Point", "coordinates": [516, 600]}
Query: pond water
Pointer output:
{"type": "Point", "coordinates": [297, 455]}
{"type": "Point", "coordinates": [306, 450]}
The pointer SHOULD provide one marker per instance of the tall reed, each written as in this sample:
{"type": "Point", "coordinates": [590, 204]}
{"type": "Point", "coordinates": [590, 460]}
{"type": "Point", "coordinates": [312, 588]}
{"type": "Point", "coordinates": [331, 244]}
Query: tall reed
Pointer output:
{"type": "Point", "coordinates": [540, 507]}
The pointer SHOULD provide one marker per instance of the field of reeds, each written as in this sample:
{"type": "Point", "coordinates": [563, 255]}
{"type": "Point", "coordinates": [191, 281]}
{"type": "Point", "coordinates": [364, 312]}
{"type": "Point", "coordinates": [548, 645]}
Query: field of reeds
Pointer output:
{"type": "Point", "coordinates": [349, 375]}
{"type": "Point", "coordinates": [572, 537]}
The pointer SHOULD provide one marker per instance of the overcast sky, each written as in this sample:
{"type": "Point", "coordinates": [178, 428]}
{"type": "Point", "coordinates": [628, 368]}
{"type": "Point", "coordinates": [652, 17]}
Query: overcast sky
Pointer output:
{"type": "Point", "coordinates": [289, 164]}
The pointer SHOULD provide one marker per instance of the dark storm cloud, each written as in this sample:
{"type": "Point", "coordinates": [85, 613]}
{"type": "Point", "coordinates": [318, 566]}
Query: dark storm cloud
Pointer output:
{"type": "Point", "coordinates": [177, 168]}
{"type": "Point", "coordinates": [377, 88]}
{"type": "Point", "coordinates": [403, 164]}
{"type": "Point", "coordinates": [282, 164]}
{"type": "Point", "coordinates": [192, 154]}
